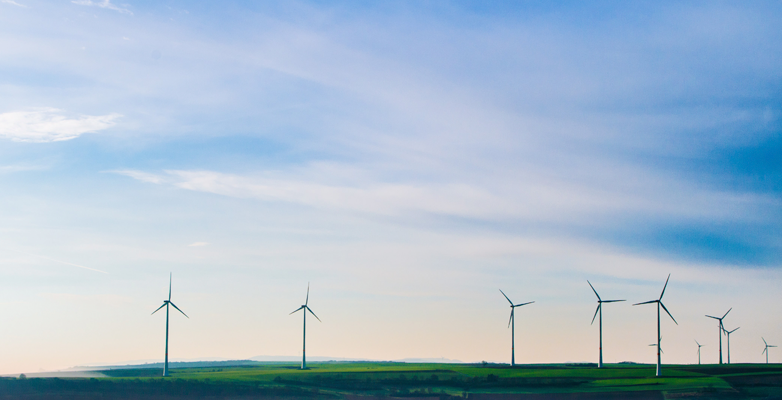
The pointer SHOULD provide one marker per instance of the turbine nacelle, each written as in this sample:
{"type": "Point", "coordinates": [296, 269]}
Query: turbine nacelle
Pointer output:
{"type": "Point", "coordinates": [513, 306]}
{"type": "Point", "coordinates": [722, 327]}
{"type": "Point", "coordinates": [660, 301]}
{"type": "Point", "coordinates": [765, 350]}
{"type": "Point", "coordinates": [599, 301]}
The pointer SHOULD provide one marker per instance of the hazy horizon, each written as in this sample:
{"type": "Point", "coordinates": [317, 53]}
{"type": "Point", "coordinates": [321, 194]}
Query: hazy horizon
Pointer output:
{"type": "Point", "coordinates": [407, 159]}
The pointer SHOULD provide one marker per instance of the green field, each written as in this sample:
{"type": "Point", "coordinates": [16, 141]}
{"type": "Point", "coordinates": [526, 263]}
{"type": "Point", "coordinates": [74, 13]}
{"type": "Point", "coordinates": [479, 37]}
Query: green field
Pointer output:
{"type": "Point", "coordinates": [370, 380]}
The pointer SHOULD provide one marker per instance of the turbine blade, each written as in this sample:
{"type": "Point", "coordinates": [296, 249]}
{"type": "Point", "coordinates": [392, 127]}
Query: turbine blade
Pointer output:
{"type": "Point", "coordinates": [593, 289]}
{"type": "Point", "coordinates": [523, 304]}
{"type": "Point", "coordinates": [666, 285]}
{"type": "Point", "coordinates": [712, 317]}
{"type": "Point", "coordinates": [734, 330]}
{"type": "Point", "coordinates": [595, 316]}
{"type": "Point", "coordinates": [307, 301]}
{"type": "Point", "coordinates": [511, 317]}
{"type": "Point", "coordinates": [726, 314]}
{"type": "Point", "coordinates": [506, 297]}
{"type": "Point", "coordinates": [646, 302]}
{"type": "Point", "coordinates": [313, 314]}
{"type": "Point", "coordinates": [296, 310]}
{"type": "Point", "coordinates": [764, 350]}
{"type": "Point", "coordinates": [669, 314]}
{"type": "Point", "coordinates": [696, 342]}
{"type": "Point", "coordinates": [170, 275]}
{"type": "Point", "coordinates": [764, 341]}
{"type": "Point", "coordinates": [158, 309]}
{"type": "Point", "coordinates": [611, 301]}
{"type": "Point", "coordinates": [772, 345]}
{"type": "Point", "coordinates": [177, 308]}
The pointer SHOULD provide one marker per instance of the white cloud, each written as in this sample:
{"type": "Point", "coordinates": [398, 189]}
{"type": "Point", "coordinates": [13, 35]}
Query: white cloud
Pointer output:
{"type": "Point", "coordinates": [50, 125]}
{"type": "Point", "coordinates": [198, 244]}
{"type": "Point", "coordinates": [103, 4]}
{"type": "Point", "coordinates": [12, 3]}
{"type": "Point", "coordinates": [140, 176]}
{"type": "Point", "coordinates": [520, 197]}
{"type": "Point", "coordinates": [8, 169]}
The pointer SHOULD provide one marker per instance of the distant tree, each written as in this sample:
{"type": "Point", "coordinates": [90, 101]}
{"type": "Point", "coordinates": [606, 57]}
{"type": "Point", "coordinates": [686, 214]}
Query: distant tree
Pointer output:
{"type": "Point", "coordinates": [22, 376]}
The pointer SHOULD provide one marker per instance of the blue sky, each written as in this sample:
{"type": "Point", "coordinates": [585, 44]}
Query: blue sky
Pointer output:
{"type": "Point", "coordinates": [432, 151]}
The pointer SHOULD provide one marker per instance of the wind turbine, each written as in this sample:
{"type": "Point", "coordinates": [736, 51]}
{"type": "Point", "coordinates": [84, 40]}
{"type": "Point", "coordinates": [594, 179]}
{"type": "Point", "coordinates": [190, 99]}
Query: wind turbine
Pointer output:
{"type": "Point", "coordinates": [304, 309]}
{"type": "Point", "coordinates": [600, 310]}
{"type": "Point", "coordinates": [699, 351]}
{"type": "Point", "coordinates": [766, 349]}
{"type": "Point", "coordinates": [166, 303]}
{"type": "Point", "coordinates": [727, 332]}
{"type": "Point", "coordinates": [659, 304]}
{"type": "Point", "coordinates": [512, 322]}
{"type": "Point", "coordinates": [722, 328]}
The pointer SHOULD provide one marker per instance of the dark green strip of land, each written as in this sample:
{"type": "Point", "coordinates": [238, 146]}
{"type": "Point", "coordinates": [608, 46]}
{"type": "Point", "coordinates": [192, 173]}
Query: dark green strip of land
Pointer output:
{"type": "Point", "coordinates": [376, 380]}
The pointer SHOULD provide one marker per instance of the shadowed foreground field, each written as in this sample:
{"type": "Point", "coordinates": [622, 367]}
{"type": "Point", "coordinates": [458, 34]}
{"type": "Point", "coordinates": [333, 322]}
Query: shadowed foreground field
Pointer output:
{"type": "Point", "coordinates": [374, 381]}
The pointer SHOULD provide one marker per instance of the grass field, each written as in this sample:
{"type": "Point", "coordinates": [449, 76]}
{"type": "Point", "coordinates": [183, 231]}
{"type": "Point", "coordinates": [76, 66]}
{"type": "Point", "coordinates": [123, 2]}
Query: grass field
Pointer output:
{"type": "Point", "coordinates": [369, 380]}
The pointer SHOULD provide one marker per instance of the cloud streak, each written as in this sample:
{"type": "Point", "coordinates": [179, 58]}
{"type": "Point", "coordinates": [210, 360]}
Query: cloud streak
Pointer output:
{"type": "Point", "coordinates": [60, 261]}
{"type": "Point", "coordinates": [103, 4]}
{"type": "Point", "coordinates": [526, 198]}
{"type": "Point", "coordinates": [12, 3]}
{"type": "Point", "coordinates": [50, 125]}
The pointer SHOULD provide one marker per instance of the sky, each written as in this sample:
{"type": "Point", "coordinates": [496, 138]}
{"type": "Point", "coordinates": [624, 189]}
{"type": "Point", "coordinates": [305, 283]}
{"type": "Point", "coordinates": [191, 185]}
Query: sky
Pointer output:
{"type": "Point", "coordinates": [406, 159]}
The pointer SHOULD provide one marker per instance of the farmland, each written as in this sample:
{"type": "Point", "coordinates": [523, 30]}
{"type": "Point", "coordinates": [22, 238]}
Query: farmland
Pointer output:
{"type": "Point", "coordinates": [370, 380]}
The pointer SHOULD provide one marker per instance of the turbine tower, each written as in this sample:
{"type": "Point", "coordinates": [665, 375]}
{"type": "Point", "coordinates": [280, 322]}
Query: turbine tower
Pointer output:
{"type": "Point", "coordinates": [727, 333]}
{"type": "Point", "coordinates": [699, 351]}
{"type": "Point", "coordinates": [722, 329]}
{"type": "Point", "coordinates": [304, 309]}
{"type": "Point", "coordinates": [512, 323]}
{"type": "Point", "coordinates": [765, 350]}
{"type": "Point", "coordinates": [600, 322]}
{"type": "Point", "coordinates": [659, 304]}
{"type": "Point", "coordinates": [166, 303]}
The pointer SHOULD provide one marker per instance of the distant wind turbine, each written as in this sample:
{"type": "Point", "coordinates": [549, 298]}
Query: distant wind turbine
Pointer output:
{"type": "Point", "coordinates": [661, 349]}
{"type": "Point", "coordinates": [304, 309]}
{"type": "Point", "coordinates": [659, 304]}
{"type": "Point", "coordinates": [765, 350]}
{"type": "Point", "coordinates": [699, 352]}
{"type": "Point", "coordinates": [512, 323]}
{"type": "Point", "coordinates": [600, 322]}
{"type": "Point", "coordinates": [727, 333]}
{"type": "Point", "coordinates": [166, 303]}
{"type": "Point", "coordinates": [722, 329]}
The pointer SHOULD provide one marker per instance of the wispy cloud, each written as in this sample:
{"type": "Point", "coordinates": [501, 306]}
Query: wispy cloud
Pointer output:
{"type": "Point", "coordinates": [103, 4]}
{"type": "Point", "coordinates": [140, 175]}
{"type": "Point", "coordinates": [12, 3]}
{"type": "Point", "coordinates": [59, 261]}
{"type": "Point", "coordinates": [8, 169]}
{"type": "Point", "coordinates": [105, 299]}
{"type": "Point", "coordinates": [518, 198]}
{"type": "Point", "coordinates": [198, 244]}
{"type": "Point", "coordinates": [50, 125]}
